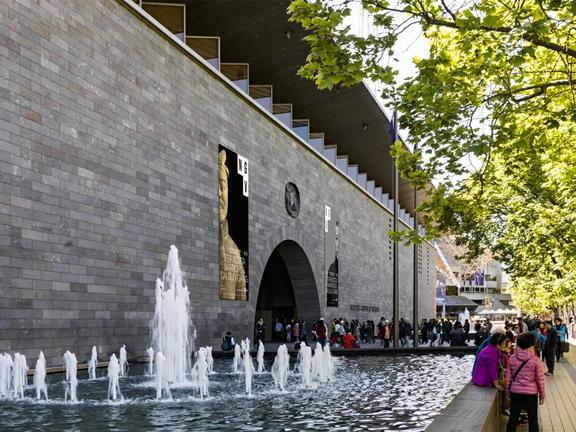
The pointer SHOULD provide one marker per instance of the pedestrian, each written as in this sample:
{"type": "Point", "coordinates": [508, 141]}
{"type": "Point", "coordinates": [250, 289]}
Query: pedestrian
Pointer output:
{"type": "Point", "coordinates": [550, 347]}
{"type": "Point", "coordinates": [321, 331]}
{"type": "Point", "coordinates": [486, 368]}
{"type": "Point", "coordinates": [385, 334]}
{"type": "Point", "coordinates": [303, 331]}
{"type": "Point", "coordinates": [278, 328]}
{"type": "Point", "coordinates": [562, 333]}
{"type": "Point", "coordinates": [260, 331]}
{"type": "Point", "coordinates": [525, 382]}
{"type": "Point", "coordinates": [228, 342]}
{"type": "Point", "coordinates": [458, 337]}
{"type": "Point", "coordinates": [467, 330]}
{"type": "Point", "coordinates": [543, 331]}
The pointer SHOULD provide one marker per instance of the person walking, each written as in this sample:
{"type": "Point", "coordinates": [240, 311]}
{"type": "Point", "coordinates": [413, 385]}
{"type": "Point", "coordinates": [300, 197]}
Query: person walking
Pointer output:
{"type": "Point", "coordinates": [562, 333]}
{"type": "Point", "coordinates": [524, 384]}
{"type": "Point", "coordinates": [550, 347]}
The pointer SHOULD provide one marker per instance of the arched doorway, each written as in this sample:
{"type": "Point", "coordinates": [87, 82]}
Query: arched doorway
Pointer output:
{"type": "Point", "coordinates": [287, 288]}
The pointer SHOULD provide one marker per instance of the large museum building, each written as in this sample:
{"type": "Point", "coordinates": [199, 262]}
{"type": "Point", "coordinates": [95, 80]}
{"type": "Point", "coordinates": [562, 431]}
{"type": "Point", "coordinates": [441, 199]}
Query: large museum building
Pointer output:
{"type": "Point", "coordinates": [127, 127]}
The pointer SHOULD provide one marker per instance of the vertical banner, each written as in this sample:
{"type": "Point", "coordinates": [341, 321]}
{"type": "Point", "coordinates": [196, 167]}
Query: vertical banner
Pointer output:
{"type": "Point", "coordinates": [331, 234]}
{"type": "Point", "coordinates": [233, 215]}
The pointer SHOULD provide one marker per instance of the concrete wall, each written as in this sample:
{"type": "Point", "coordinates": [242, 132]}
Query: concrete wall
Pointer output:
{"type": "Point", "coordinates": [108, 155]}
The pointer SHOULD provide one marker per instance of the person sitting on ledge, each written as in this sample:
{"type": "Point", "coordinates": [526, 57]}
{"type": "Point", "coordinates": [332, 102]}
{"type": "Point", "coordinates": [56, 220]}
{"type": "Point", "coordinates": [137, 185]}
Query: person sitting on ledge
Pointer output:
{"type": "Point", "coordinates": [486, 369]}
{"type": "Point", "coordinates": [349, 341]}
{"type": "Point", "coordinates": [228, 342]}
{"type": "Point", "coordinates": [458, 337]}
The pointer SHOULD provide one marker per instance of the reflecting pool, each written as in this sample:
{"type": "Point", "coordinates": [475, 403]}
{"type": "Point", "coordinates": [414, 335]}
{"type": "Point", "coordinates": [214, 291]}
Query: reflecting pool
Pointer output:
{"type": "Point", "coordinates": [366, 393]}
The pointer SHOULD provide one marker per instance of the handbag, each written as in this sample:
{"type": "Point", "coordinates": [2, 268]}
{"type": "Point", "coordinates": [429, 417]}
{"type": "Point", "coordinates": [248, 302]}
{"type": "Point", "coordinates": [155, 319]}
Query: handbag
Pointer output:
{"type": "Point", "coordinates": [566, 347]}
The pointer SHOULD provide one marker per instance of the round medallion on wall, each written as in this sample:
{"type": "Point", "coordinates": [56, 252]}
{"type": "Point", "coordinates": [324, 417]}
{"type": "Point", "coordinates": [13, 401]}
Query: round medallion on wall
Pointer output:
{"type": "Point", "coordinates": [292, 199]}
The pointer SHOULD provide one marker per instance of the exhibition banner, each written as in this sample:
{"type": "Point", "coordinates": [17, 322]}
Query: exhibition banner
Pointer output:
{"type": "Point", "coordinates": [331, 233]}
{"type": "Point", "coordinates": [233, 215]}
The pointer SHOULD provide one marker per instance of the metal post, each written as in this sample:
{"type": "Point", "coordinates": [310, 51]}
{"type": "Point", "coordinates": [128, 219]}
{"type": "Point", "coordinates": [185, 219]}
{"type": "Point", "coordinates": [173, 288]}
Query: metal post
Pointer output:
{"type": "Point", "coordinates": [396, 278]}
{"type": "Point", "coordinates": [415, 321]}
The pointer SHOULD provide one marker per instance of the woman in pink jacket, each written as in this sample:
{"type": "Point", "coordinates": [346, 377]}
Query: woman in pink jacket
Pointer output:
{"type": "Point", "coordinates": [524, 383]}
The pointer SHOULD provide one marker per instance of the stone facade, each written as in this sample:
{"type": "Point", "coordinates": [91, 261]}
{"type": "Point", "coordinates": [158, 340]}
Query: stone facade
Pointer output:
{"type": "Point", "coordinates": [109, 135]}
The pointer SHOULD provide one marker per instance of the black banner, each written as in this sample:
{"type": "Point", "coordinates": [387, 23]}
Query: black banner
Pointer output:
{"type": "Point", "coordinates": [233, 217]}
{"type": "Point", "coordinates": [331, 239]}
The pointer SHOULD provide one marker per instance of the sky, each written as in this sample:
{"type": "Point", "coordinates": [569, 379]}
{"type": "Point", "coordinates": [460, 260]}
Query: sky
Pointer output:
{"type": "Point", "coordinates": [411, 44]}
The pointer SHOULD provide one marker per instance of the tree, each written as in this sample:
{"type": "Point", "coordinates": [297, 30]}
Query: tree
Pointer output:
{"type": "Point", "coordinates": [492, 112]}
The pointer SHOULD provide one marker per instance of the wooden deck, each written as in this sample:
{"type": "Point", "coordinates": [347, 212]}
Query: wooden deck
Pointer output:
{"type": "Point", "coordinates": [558, 413]}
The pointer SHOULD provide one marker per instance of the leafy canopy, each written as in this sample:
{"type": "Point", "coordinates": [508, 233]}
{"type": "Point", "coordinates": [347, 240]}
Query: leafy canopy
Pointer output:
{"type": "Point", "coordinates": [492, 113]}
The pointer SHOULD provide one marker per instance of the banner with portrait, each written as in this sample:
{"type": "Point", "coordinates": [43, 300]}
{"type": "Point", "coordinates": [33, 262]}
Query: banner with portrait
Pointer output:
{"type": "Point", "coordinates": [233, 217]}
{"type": "Point", "coordinates": [331, 240]}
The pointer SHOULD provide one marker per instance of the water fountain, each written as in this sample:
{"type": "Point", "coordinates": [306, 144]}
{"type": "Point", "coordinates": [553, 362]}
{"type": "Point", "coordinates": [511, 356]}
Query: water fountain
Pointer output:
{"type": "Point", "coordinates": [280, 367]}
{"type": "Point", "coordinates": [321, 364]}
{"type": "Point", "coordinates": [304, 365]}
{"type": "Point", "coordinates": [172, 326]}
{"type": "Point", "coordinates": [462, 317]}
{"type": "Point", "coordinates": [209, 360]}
{"type": "Point", "coordinates": [248, 366]}
{"type": "Point", "coordinates": [123, 361]}
{"type": "Point", "coordinates": [328, 362]}
{"type": "Point", "coordinates": [237, 362]}
{"type": "Point", "coordinates": [40, 377]}
{"type": "Point", "coordinates": [92, 364]}
{"type": "Point", "coordinates": [71, 380]}
{"type": "Point", "coordinates": [113, 378]}
{"type": "Point", "coordinates": [200, 373]}
{"type": "Point", "coordinates": [19, 379]}
{"type": "Point", "coordinates": [150, 352]}
{"type": "Point", "coordinates": [260, 357]}
{"type": "Point", "coordinates": [5, 374]}
{"type": "Point", "coordinates": [162, 384]}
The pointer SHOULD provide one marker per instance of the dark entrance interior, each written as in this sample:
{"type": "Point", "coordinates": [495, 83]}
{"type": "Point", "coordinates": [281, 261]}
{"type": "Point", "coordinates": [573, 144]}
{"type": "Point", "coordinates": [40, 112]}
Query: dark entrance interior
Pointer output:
{"type": "Point", "coordinates": [276, 296]}
{"type": "Point", "coordinates": [287, 289]}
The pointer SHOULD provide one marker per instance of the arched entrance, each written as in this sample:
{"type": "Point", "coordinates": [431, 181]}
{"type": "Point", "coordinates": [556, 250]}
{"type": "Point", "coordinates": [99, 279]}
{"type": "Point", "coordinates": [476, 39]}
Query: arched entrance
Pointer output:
{"type": "Point", "coordinates": [287, 288]}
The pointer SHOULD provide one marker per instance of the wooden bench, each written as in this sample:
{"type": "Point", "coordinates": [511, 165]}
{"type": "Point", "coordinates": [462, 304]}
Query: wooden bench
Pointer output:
{"type": "Point", "coordinates": [474, 409]}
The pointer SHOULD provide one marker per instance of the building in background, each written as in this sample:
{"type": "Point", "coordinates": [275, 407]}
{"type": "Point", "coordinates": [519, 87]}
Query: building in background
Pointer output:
{"type": "Point", "coordinates": [477, 285]}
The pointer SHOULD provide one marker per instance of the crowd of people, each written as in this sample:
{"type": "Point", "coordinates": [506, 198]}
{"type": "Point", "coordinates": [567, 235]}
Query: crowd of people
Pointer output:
{"type": "Point", "coordinates": [510, 358]}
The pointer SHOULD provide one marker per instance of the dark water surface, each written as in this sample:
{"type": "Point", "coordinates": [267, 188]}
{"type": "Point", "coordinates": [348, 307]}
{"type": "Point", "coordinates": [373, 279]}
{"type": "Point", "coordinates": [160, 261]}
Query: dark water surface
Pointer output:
{"type": "Point", "coordinates": [366, 394]}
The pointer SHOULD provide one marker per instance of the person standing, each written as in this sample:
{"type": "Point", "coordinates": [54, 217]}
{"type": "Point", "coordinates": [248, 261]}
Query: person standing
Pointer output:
{"type": "Point", "coordinates": [303, 331]}
{"type": "Point", "coordinates": [466, 327]}
{"type": "Point", "coordinates": [279, 328]}
{"type": "Point", "coordinates": [562, 331]}
{"type": "Point", "coordinates": [543, 331]}
{"type": "Point", "coordinates": [321, 331]}
{"type": "Point", "coordinates": [550, 347]}
{"type": "Point", "coordinates": [260, 331]}
{"type": "Point", "coordinates": [524, 383]}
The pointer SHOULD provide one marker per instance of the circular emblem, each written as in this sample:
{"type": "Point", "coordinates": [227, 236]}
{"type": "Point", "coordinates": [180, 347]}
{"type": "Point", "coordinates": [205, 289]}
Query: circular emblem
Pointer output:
{"type": "Point", "coordinates": [292, 199]}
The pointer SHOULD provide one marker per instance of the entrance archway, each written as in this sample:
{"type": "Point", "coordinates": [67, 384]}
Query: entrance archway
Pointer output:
{"type": "Point", "coordinates": [287, 288]}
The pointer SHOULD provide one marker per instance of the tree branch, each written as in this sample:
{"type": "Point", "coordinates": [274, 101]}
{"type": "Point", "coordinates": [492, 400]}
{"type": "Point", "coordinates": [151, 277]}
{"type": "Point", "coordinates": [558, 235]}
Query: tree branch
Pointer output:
{"type": "Point", "coordinates": [540, 89]}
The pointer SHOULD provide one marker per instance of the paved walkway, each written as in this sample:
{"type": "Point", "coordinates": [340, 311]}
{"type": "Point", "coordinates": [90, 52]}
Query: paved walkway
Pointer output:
{"type": "Point", "coordinates": [558, 413]}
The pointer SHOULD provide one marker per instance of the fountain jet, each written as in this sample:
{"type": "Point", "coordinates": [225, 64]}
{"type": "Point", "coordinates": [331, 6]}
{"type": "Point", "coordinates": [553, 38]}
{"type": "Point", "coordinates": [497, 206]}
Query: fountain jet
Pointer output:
{"type": "Point", "coordinates": [248, 366]}
{"type": "Point", "coordinates": [173, 332]}
{"type": "Point", "coordinates": [40, 377]}
{"type": "Point", "coordinates": [19, 379]}
{"type": "Point", "coordinates": [280, 367]}
{"type": "Point", "coordinates": [123, 361]}
{"type": "Point", "coordinates": [150, 352]}
{"type": "Point", "coordinates": [260, 357]}
{"type": "Point", "coordinates": [162, 385]}
{"type": "Point", "coordinates": [92, 364]}
{"type": "Point", "coordinates": [113, 378]}
{"type": "Point", "coordinates": [71, 380]}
